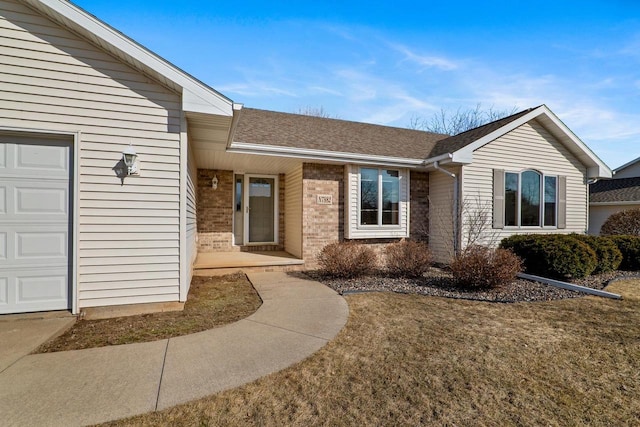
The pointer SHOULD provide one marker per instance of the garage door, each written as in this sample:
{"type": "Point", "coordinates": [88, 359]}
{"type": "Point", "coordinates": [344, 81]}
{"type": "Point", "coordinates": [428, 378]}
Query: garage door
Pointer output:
{"type": "Point", "coordinates": [34, 224]}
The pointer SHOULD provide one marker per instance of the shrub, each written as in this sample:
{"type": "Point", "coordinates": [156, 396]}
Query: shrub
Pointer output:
{"type": "Point", "coordinates": [408, 258]}
{"type": "Point", "coordinates": [622, 223]}
{"type": "Point", "coordinates": [557, 256]}
{"type": "Point", "coordinates": [630, 248]}
{"type": "Point", "coordinates": [347, 259]}
{"type": "Point", "coordinates": [482, 267]}
{"type": "Point", "coordinates": [608, 254]}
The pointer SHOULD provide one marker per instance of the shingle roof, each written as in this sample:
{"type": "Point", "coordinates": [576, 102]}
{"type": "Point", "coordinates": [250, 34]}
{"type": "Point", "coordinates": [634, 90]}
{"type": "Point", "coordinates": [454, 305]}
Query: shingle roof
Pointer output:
{"type": "Point", "coordinates": [318, 133]}
{"type": "Point", "coordinates": [456, 142]}
{"type": "Point", "coordinates": [615, 190]}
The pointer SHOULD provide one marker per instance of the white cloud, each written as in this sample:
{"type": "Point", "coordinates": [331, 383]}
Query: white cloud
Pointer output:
{"type": "Point", "coordinates": [255, 89]}
{"type": "Point", "coordinates": [425, 61]}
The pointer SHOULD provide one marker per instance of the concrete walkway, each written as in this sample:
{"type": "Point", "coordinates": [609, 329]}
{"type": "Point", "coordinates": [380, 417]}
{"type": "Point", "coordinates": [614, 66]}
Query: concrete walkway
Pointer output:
{"type": "Point", "coordinates": [70, 388]}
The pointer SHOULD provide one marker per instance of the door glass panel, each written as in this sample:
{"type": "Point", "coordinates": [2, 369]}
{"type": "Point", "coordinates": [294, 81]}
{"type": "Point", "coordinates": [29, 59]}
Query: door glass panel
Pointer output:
{"type": "Point", "coordinates": [261, 209]}
{"type": "Point", "coordinates": [238, 215]}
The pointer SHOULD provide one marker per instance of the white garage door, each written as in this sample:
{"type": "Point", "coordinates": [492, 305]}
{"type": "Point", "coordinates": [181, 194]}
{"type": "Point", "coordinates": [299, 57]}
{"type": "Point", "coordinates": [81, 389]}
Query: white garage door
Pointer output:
{"type": "Point", "coordinates": [35, 224]}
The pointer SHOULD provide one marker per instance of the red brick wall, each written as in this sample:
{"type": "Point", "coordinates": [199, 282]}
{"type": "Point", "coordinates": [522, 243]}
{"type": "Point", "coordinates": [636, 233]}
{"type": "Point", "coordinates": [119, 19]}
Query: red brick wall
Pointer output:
{"type": "Point", "coordinates": [324, 224]}
{"type": "Point", "coordinates": [321, 224]}
{"type": "Point", "coordinates": [215, 211]}
{"type": "Point", "coordinates": [419, 198]}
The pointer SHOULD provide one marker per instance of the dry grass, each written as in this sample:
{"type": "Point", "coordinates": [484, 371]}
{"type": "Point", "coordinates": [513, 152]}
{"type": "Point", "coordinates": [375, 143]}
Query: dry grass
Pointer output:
{"type": "Point", "coordinates": [415, 360]}
{"type": "Point", "coordinates": [212, 301]}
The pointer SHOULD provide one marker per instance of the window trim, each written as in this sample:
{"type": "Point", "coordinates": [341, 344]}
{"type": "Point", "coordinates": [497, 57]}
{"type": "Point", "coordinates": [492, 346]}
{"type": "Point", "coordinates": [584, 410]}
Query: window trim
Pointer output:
{"type": "Point", "coordinates": [379, 225]}
{"type": "Point", "coordinates": [541, 207]}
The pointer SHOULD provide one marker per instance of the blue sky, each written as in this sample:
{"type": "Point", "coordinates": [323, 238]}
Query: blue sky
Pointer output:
{"type": "Point", "coordinates": [388, 62]}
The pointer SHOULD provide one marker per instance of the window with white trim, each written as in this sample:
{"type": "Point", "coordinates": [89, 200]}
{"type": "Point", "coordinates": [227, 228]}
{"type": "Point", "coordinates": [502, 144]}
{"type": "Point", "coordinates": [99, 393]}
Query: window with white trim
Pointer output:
{"type": "Point", "coordinates": [379, 197]}
{"type": "Point", "coordinates": [530, 199]}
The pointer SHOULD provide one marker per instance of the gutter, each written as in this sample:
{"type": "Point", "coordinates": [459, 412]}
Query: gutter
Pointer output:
{"type": "Point", "coordinates": [456, 196]}
{"type": "Point", "coordinates": [323, 155]}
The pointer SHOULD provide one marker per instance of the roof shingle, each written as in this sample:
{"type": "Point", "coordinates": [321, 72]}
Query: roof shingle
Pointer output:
{"type": "Point", "coordinates": [615, 190]}
{"type": "Point", "coordinates": [318, 133]}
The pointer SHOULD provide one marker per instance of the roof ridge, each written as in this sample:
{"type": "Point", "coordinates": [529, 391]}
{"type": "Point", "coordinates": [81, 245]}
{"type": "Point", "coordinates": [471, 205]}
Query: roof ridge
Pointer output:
{"type": "Point", "coordinates": [311, 117]}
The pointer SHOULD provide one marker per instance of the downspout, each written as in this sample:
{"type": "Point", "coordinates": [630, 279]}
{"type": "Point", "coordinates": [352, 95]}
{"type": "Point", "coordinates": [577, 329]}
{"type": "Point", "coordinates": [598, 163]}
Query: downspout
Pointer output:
{"type": "Point", "coordinates": [456, 226]}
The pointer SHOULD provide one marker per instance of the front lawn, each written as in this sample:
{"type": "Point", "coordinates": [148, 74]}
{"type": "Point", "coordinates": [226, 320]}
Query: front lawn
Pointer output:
{"type": "Point", "coordinates": [421, 360]}
{"type": "Point", "coordinates": [212, 301]}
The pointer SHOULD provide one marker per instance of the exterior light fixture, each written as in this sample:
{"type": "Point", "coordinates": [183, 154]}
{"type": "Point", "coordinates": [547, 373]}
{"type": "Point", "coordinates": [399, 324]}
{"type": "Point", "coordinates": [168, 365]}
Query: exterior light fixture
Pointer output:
{"type": "Point", "coordinates": [214, 182]}
{"type": "Point", "coordinates": [129, 157]}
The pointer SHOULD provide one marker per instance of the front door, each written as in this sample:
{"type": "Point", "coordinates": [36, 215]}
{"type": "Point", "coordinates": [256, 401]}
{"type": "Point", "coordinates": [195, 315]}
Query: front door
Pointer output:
{"type": "Point", "coordinates": [261, 209]}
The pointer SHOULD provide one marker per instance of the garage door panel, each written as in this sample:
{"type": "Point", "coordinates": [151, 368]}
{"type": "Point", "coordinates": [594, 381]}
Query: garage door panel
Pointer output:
{"type": "Point", "coordinates": [33, 290]}
{"type": "Point", "coordinates": [42, 288]}
{"type": "Point", "coordinates": [47, 245]}
{"type": "Point", "coordinates": [3, 199]}
{"type": "Point", "coordinates": [40, 200]}
{"type": "Point", "coordinates": [3, 245]}
{"type": "Point", "coordinates": [38, 160]}
{"type": "Point", "coordinates": [34, 225]}
{"type": "Point", "coordinates": [4, 292]}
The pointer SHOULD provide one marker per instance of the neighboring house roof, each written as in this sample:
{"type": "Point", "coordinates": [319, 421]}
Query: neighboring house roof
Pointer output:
{"type": "Point", "coordinates": [197, 96]}
{"type": "Point", "coordinates": [610, 191]}
{"type": "Point", "coordinates": [626, 165]}
{"type": "Point", "coordinates": [298, 131]}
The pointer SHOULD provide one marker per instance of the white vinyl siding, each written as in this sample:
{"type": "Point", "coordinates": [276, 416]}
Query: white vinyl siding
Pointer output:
{"type": "Point", "coordinates": [293, 212]}
{"type": "Point", "coordinates": [191, 217]}
{"type": "Point", "coordinates": [441, 212]}
{"type": "Point", "coordinates": [598, 214]}
{"type": "Point", "coordinates": [353, 229]}
{"type": "Point", "coordinates": [50, 79]}
{"type": "Point", "coordinates": [527, 147]}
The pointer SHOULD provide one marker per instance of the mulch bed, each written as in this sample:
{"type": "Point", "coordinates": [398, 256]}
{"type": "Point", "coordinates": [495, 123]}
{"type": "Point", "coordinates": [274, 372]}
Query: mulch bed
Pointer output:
{"type": "Point", "coordinates": [438, 282]}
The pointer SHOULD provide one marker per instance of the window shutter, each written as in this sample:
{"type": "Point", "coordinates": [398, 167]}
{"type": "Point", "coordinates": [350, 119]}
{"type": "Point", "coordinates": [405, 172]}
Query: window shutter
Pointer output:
{"type": "Point", "coordinates": [562, 202]}
{"type": "Point", "coordinates": [498, 198]}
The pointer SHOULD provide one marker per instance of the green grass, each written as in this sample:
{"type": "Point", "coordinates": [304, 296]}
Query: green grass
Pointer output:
{"type": "Point", "coordinates": [415, 360]}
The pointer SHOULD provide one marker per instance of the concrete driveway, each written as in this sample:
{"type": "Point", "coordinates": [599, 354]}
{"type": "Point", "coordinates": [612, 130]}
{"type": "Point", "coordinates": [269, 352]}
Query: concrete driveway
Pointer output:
{"type": "Point", "coordinates": [21, 334]}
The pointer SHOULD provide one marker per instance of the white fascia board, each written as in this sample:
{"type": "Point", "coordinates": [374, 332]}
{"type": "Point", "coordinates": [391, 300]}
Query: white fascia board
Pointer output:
{"type": "Point", "coordinates": [596, 168]}
{"type": "Point", "coordinates": [196, 94]}
{"type": "Point", "coordinates": [323, 155]}
{"type": "Point", "coordinates": [620, 203]}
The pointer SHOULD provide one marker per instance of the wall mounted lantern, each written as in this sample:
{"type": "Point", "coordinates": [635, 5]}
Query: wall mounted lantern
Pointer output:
{"type": "Point", "coordinates": [214, 182]}
{"type": "Point", "coordinates": [129, 157]}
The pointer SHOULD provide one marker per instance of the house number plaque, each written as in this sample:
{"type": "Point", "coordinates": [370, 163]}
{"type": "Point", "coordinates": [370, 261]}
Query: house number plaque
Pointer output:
{"type": "Point", "coordinates": [324, 199]}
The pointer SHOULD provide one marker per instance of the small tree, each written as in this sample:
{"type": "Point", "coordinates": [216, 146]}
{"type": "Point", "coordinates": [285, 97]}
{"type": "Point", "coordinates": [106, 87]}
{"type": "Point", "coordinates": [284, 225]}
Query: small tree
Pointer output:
{"type": "Point", "coordinates": [448, 123]}
{"type": "Point", "coordinates": [623, 223]}
{"type": "Point", "coordinates": [315, 112]}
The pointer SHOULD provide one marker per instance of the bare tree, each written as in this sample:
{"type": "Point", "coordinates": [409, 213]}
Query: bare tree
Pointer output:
{"type": "Point", "coordinates": [316, 112]}
{"type": "Point", "coordinates": [446, 122]}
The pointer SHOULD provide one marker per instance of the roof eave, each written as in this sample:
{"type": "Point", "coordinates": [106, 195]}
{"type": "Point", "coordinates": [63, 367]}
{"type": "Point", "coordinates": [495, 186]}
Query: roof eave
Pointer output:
{"type": "Point", "coordinates": [596, 168]}
{"type": "Point", "coordinates": [323, 155]}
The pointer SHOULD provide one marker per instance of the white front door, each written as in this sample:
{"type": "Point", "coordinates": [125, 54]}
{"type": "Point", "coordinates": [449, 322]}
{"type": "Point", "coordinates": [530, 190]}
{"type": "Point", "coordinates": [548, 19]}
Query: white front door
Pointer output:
{"type": "Point", "coordinates": [35, 226]}
{"type": "Point", "coordinates": [261, 209]}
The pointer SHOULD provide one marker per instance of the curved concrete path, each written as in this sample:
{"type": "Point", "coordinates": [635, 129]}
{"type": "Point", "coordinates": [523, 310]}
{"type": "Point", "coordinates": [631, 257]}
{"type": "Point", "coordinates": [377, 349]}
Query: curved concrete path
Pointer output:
{"type": "Point", "coordinates": [81, 387]}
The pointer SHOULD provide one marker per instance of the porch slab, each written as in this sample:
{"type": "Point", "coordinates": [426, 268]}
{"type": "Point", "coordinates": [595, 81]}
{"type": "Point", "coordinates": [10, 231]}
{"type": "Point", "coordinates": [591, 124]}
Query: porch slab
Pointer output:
{"type": "Point", "coordinates": [214, 260]}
